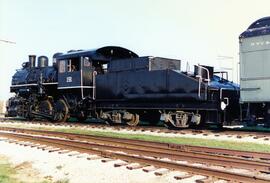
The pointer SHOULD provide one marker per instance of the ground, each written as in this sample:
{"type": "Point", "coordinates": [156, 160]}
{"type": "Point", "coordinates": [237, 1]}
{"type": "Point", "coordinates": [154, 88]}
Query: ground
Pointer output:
{"type": "Point", "coordinates": [26, 164]}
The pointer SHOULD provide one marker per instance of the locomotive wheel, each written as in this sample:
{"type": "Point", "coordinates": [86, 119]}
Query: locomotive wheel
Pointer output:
{"type": "Point", "coordinates": [134, 121]}
{"type": "Point", "coordinates": [60, 111]}
{"type": "Point", "coordinates": [45, 107]}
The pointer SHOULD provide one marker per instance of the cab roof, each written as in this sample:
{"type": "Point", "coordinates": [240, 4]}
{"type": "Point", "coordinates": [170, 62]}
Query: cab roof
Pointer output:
{"type": "Point", "coordinates": [104, 53]}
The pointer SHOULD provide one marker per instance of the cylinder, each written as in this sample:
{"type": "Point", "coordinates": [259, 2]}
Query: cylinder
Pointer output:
{"type": "Point", "coordinates": [32, 60]}
{"type": "Point", "coordinates": [43, 61]}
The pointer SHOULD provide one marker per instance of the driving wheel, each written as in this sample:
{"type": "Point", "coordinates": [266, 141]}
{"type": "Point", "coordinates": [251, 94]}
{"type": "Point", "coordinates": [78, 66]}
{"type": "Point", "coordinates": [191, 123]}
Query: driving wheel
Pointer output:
{"type": "Point", "coordinates": [60, 111]}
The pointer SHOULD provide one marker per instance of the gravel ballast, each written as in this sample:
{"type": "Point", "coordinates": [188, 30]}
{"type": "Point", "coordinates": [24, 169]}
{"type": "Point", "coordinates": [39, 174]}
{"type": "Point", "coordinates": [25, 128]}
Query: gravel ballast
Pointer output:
{"type": "Point", "coordinates": [76, 168]}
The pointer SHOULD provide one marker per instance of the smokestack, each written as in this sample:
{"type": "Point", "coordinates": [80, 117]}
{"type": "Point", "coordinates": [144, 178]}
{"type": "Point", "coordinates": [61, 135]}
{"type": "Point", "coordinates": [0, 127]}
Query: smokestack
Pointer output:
{"type": "Point", "coordinates": [32, 60]}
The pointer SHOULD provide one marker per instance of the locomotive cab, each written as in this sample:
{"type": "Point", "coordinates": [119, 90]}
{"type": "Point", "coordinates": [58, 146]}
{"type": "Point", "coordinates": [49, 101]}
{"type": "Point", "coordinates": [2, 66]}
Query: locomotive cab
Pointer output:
{"type": "Point", "coordinates": [77, 70]}
{"type": "Point", "coordinates": [76, 73]}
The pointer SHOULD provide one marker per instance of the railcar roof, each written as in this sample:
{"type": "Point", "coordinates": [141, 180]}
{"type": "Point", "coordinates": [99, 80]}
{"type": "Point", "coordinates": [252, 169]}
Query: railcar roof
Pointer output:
{"type": "Point", "coordinates": [257, 28]}
{"type": "Point", "coordinates": [103, 53]}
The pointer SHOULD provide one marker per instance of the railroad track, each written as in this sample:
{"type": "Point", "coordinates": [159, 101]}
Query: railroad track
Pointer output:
{"type": "Point", "coordinates": [152, 153]}
{"type": "Point", "coordinates": [226, 131]}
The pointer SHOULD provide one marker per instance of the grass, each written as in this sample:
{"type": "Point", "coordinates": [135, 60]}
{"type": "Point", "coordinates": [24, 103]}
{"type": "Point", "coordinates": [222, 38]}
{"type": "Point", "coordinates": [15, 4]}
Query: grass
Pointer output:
{"type": "Point", "coordinates": [6, 172]}
{"type": "Point", "coordinates": [244, 146]}
{"type": "Point", "coordinates": [62, 181]}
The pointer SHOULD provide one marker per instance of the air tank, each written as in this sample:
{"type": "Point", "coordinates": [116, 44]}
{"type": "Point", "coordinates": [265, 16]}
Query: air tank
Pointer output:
{"type": "Point", "coordinates": [32, 61]}
{"type": "Point", "coordinates": [43, 61]}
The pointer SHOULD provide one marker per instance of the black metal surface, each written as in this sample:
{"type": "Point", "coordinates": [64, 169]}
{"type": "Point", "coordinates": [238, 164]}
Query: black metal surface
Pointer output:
{"type": "Point", "coordinates": [104, 53]}
{"type": "Point", "coordinates": [162, 85]}
{"type": "Point", "coordinates": [124, 81]}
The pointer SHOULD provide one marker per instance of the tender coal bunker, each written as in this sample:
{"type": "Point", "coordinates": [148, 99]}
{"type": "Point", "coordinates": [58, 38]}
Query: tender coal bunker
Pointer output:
{"type": "Point", "coordinates": [158, 63]}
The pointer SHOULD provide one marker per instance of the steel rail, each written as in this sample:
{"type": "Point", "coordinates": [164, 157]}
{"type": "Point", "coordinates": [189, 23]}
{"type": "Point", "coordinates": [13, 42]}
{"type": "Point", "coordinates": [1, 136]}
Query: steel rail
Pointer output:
{"type": "Point", "coordinates": [160, 145]}
{"type": "Point", "coordinates": [225, 131]}
{"type": "Point", "coordinates": [163, 152]}
{"type": "Point", "coordinates": [82, 148]}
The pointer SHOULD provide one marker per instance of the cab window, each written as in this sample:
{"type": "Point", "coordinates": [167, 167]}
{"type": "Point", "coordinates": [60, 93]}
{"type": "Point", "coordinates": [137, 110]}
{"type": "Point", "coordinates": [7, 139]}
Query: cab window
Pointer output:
{"type": "Point", "coordinates": [86, 62]}
{"type": "Point", "coordinates": [73, 64]}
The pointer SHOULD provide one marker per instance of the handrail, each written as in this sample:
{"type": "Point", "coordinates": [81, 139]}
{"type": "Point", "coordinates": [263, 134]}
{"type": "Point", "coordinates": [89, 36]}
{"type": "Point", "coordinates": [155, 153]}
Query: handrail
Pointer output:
{"type": "Point", "coordinates": [94, 85]}
{"type": "Point", "coordinates": [208, 74]}
{"type": "Point", "coordinates": [199, 87]}
{"type": "Point", "coordinates": [200, 79]}
{"type": "Point", "coordinates": [220, 93]}
{"type": "Point", "coordinates": [221, 96]}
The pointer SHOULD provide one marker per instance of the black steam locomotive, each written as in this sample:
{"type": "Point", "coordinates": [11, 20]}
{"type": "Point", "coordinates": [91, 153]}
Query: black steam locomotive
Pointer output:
{"type": "Point", "coordinates": [116, 85]}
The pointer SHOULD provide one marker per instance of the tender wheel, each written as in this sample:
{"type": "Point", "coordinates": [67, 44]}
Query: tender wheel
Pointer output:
{"type": "Point", "coordinates": [178, 120]}
{"type": "Point", "coordinates": [134, 121]}
{"type": "Point", "coordinates": [107, 117]}
{"type": "Point", "coordinates": [60, 111]}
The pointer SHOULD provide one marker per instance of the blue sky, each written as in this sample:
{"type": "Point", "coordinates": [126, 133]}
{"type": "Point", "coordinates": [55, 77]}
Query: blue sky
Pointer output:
{"type": "Point", "coordinates": [196, 31]}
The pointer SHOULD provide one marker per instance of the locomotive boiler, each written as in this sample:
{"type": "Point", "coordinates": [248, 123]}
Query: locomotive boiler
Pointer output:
{"type": "Point", "coordinates": [116, 85]}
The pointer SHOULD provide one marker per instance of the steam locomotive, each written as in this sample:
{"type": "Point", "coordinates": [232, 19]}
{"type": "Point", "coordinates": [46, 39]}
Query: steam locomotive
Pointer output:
{"type": "Point", "coordinates": [116, 85]}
